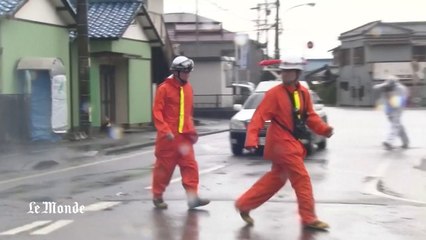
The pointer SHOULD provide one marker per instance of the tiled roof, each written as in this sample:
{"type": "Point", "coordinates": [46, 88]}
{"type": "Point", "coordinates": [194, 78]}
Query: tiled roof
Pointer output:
{"type": "Point", "coordinates": [186, 18]}
{"type": "Point", "coordinates": [9, 7]}
{"type": "Point", "coordinates": [110, 18]}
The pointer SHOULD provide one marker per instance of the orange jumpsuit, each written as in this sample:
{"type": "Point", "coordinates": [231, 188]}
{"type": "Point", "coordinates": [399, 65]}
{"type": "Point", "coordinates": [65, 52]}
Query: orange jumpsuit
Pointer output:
{"type": "Point", "coordinates": [172, 113]}
{"type": "Point", "coordinates": [285, 152]}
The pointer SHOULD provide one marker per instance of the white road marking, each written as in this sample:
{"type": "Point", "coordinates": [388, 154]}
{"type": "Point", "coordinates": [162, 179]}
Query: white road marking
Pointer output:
{"type": "Point", "coordinates": [57, 224]}
{"type": "Point", "coordinates": [208, 148]}
{"type": "Point", "coordinates": [52, 227]}
{"type": "Point", "coordinates": [72, 168]}
{"type": "Point", "coordinates": [100, 206]}
{"type": "Point", "coordinates": [178, 179]}
{"type": "Point", "coordinates": [25, 227]}
{"type": "Point", "coordinates": [371, 186]}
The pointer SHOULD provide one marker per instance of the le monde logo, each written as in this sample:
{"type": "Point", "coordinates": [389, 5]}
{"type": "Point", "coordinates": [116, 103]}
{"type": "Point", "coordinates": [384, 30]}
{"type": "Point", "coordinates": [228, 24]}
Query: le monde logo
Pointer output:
{"type": "Point", "coordinates": [54, 208]}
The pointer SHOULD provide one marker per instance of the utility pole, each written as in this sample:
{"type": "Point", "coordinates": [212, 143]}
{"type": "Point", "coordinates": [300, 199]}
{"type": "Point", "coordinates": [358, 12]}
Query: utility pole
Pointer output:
{"type": "Point", "coordinates": [262, 24]}
{"type": "Point", "coordinates": [83, 67]}
{"type": "Point", "coordinates": [197, 31]}
{"type": "Point", "coordinates": [277, 30]}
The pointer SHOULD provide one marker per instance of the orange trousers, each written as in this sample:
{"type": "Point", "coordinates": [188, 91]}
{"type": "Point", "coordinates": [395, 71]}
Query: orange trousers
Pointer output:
{"type": "Point", "coordinates": [292, 169]}
{"type": "Point", "coordinates": [168, 154]}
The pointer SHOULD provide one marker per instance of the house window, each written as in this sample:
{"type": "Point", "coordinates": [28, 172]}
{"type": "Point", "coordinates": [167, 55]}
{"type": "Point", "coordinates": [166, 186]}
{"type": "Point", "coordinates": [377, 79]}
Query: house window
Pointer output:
{"type": "Point", "coordinates": [344, 86]}
{"type": "Point", "coordinates": [419, 53]}
{"type": "Point", "coordinates": [358, 57]}
{"type": "Point", "coordinates": [344, 57]}
{"type": "Point", "coordinates": [228, 53]}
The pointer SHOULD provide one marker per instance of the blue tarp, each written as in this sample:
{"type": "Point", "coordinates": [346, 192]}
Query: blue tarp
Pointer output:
{"type": "Point", "coordinates": [41, 108]}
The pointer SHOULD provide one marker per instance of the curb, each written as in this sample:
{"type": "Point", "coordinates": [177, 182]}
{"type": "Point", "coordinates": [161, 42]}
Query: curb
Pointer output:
{"type": "Point", "coordinates": [136, 146]}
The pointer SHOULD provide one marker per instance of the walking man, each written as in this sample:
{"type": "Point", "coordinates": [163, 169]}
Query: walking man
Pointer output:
{"type": "Point", "coordinates": [394, 97]}
{"type": "Point", "coordinates": [288, 106]}
{"type": "Point", "coordinates": [176, 134]}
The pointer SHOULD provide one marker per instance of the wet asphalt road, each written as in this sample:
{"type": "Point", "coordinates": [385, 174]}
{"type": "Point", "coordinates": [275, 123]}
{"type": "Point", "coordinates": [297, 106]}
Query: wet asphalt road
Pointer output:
{"type": "Point", "coordinates": [355, 184]}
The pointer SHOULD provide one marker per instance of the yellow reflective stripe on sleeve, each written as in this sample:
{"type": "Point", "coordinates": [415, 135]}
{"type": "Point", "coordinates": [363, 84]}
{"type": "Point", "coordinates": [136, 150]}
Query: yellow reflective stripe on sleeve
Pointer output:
{"type": "Point", "coordinates": [297, 101]}
{"type": "Point", "coordinates": [181, 109]}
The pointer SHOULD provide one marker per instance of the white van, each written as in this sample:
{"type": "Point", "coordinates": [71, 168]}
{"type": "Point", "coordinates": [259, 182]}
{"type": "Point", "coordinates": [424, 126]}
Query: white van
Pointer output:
{"type": "Point", "coordinates": [238, 123]}
{"type": "Point", "coordinates": [266, 85]}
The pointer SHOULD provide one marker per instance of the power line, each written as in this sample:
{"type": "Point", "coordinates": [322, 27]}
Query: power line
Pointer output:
{"type": "Point", "coordinates": [231, 12]}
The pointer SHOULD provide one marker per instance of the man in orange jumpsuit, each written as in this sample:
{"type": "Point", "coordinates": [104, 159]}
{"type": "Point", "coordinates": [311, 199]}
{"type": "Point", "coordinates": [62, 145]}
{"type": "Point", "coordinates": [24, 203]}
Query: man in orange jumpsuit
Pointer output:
{"type": "Point", "coordinates": [172, 112]}
{"type": "Point", "coordinates": [286, 105]}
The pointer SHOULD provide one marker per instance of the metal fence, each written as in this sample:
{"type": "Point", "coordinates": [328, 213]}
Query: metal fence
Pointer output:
{"type": "Point", "coordinates": [218, 100]}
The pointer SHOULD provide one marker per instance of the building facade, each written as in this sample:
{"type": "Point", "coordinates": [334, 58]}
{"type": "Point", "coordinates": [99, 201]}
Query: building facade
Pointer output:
{"type": "Point", "coordinates": [214, 51]}
{"type": "Point", "coordinates": [39, 65]}
{"type": "Point", "coordinates": [34, 41]}
{"type": "Point", "coordinates": [369, 53]}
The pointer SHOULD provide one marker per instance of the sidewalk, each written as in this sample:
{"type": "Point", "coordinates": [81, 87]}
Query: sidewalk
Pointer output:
{"type": "Point", "coordinates": [102, 144]}
{"type": "Point", "coordinates": [135, 138]}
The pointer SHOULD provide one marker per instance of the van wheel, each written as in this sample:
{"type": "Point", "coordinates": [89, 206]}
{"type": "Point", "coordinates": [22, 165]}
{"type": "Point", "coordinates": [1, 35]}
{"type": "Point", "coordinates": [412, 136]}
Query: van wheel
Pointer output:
{"type": "Point", "coordinates": [237, 149]}
{"type": "Point", "coordinates": [322, 145]}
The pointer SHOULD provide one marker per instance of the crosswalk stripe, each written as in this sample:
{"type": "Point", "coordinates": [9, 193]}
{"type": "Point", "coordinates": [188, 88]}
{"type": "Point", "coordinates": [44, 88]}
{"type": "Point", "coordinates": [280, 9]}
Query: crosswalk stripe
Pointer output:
{"type": "Point", "coordinates": [100, 206]}
{"type": "Point", "coordinates": [52, 227]}
{"type": "Point", "coordinates": [25, 227]}
{"type": "Point", "coordinates": [178, 179]}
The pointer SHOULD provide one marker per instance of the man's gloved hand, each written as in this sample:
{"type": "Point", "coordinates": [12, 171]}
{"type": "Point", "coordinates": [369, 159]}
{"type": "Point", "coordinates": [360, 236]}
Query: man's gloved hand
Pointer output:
{"type": "Point", "coordinates": [193, 137]}
{"type": "Point", "coordinates": [330, 132]}
{"type": "Point", "coordinates": [170, 136]}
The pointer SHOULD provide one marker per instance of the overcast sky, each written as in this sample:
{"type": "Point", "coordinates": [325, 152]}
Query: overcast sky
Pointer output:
{"type": "Point", "coordinates": [321, 24]}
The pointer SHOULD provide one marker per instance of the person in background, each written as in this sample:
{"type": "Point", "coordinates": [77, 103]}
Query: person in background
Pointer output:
{"type": "Point", "coordinates": [289, 108]}
{"type": "Point", "coordinates": [176, 135]}
{"type": "Point", "coordinates": [393, 97]}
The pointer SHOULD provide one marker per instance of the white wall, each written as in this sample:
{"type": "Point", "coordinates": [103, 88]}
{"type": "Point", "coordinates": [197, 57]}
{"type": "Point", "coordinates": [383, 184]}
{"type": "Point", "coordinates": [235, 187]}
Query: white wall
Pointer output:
{"type": "Point", "coordinates": [156, 6]}
{"type": "Point", "coordinates": [208, 78]}
{"type": "Point", "coordinates": [40, 11]}
{"type": "Point", "coordinates": [135, 32]}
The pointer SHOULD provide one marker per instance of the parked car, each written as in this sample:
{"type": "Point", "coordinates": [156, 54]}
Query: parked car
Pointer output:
{"type": "Point", "coordinates": [239, 122]}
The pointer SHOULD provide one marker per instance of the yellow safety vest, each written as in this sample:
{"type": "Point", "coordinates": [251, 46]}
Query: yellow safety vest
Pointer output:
{"type": "Point", "coordinates": [181, 110]}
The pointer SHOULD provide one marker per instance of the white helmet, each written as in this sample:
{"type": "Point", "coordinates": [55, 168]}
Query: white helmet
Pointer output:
{"type": "Point", "coordinates": [293, 63]}
{"type": "Point", "coordinates": [388, 84]}
{"type": "Point", "coordinates": [182, 63]}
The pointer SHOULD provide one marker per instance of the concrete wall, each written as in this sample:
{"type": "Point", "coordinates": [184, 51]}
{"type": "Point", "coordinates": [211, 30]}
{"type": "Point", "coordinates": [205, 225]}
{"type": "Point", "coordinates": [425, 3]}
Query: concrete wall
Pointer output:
{"type": "Point", "coordinates": [40, 11]}
{"type": "Point", "coordinates": [140, 105]}
{"type": "Point", "coordinates": [135, 32]}
{"type": "Point", "coordinates": [156, 6]}
{"type": "Point", "coordinates": [208, 78]}
{"type": "Point", "coordinates": [358, 91]}
{"type": "Point", "coordinates": [203, 49]}
{"type": "Point", "coordinates": [389, 53]}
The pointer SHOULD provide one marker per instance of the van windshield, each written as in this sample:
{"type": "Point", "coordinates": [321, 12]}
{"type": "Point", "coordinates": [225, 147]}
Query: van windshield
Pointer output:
{"type": "Point", "coordinates": [253, 101]}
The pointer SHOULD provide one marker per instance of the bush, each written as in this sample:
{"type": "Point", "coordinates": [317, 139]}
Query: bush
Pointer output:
{"type": "Point", "coordinates": [327, 92]}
